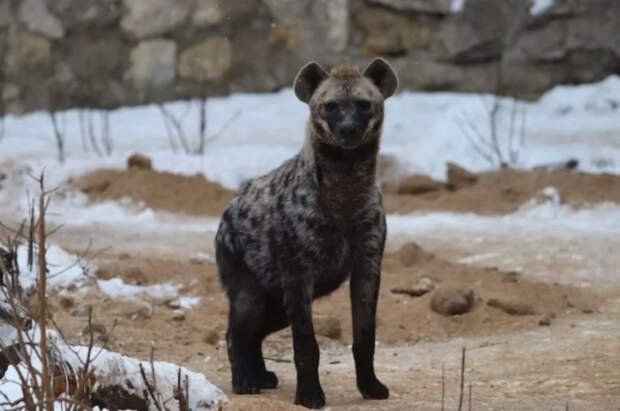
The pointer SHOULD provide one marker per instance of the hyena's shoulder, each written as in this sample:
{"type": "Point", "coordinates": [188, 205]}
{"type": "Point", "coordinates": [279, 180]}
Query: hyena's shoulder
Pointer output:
{"type": "Point", "coordinates": [261, 202]}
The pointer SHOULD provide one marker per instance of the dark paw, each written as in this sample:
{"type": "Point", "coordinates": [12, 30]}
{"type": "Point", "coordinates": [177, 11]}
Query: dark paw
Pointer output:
{"type": "Point", "coordinates": [246, 383]}
{"type": "Point", "coordinates": [269, 380]}
{"type": "Point", "coordinates": [310, 398]}
{"type": "Point", "coordinates": [374, 389]}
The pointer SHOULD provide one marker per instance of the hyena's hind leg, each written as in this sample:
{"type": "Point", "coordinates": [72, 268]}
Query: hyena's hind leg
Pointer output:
{"type": "Point", "coordinates": [246, 326]}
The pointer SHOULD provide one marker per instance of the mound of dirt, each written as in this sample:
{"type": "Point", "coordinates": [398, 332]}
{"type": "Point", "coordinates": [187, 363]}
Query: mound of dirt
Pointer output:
{"type": "Point", "coordinates": [504, 191]}
{"type": "Point", "coordinates": [497, 192]}
{"type": "Point", "coordinates": [193, 195]}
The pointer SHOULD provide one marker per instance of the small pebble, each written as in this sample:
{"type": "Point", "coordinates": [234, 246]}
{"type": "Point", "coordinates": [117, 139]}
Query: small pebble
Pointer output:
{"type": "Point", "coordinates": [545, 320]}
{"type": "Point", "coordinates": [178, 315]}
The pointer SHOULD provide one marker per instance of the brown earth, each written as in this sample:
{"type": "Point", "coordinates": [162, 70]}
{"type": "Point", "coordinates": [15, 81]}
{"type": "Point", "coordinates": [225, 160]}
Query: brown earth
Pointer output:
{"type": "Point", "coordinates": [504, 191]}
{"type": "Point", "coordinates": [496, 192]}
{"type": "Point", "coordinates": [402, 321]}
{"type": "Point", "coordinates": [396, 311]}
{"type": "Point", "coordinates": [158, 190]}
{"type": "Point", "coordinates": [537, 345]}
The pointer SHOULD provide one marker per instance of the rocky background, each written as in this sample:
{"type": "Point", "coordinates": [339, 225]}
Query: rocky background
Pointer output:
{"type": "Point", "coordinates": [105, 53]}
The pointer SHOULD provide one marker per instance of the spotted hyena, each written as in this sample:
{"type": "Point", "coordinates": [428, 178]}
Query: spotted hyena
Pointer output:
{"type": "Point", "coordinates": [298, 232]}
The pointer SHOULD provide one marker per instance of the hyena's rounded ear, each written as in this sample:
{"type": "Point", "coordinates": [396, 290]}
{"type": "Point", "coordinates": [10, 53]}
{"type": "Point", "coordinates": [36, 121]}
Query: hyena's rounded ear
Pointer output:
{"type": "Point", "coordinates": [381, 73]}
{"type": "Point", "coordinates": [308, 80]}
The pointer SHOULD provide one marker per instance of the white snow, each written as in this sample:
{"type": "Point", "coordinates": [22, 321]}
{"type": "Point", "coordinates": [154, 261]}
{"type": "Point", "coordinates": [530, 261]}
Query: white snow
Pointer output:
{"type": "Point", "coordinates": [602, 219]}
{"type": "Point", "coordinates": [188, 301]}
{"type": "Point", "coordinates": [422, 129]}
{"type": "Point", "coordinates": [113, 369]}
{"type": "Point", "coordinates": [457, 5]}
{"type": "Point", "coordinates": [64, 268]}
{"type": "Point", "coordinates": [540, 6]}
{"type": "Point", "coordinates": [117, 288]}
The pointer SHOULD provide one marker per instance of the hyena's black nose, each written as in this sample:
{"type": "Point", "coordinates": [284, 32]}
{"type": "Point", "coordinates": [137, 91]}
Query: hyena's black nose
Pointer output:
{"type": "Point", "coordinates": [347, 128]}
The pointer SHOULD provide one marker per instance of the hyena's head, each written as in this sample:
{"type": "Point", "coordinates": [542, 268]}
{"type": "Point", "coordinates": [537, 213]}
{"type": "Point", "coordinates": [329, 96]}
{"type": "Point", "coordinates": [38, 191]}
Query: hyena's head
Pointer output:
{"type": "Point", "coordinates": [346, 105]}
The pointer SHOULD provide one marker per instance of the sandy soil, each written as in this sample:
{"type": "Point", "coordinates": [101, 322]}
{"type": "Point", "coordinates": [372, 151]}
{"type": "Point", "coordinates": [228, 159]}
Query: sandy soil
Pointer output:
{"type": "Point", "coordinates": [504, 191]}
{"type": "Point", "coordinates": [497, 192]}
{"type": "Point", "coordinates": [570, 357]}
{"type": "Point", "coordinates": [513, 362]}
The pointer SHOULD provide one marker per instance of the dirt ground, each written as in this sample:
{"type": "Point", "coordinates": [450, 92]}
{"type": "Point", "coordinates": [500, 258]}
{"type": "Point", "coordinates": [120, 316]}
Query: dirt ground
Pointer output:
{"type": "Point", "coordinates": [497, 192]}
{"type": "Point", "coordinates": [549, 345]}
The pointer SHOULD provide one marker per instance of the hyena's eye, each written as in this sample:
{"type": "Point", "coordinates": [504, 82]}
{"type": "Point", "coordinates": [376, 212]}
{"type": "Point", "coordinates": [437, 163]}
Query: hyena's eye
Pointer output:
{"type": "Point", "coordinates": [330, 106]}
{"type": "Point", "coordinates": [363, 105]}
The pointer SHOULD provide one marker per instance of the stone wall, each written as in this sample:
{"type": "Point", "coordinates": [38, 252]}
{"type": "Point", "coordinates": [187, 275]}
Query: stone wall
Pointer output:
{"type": "Point", "coordinates": [105, 53]}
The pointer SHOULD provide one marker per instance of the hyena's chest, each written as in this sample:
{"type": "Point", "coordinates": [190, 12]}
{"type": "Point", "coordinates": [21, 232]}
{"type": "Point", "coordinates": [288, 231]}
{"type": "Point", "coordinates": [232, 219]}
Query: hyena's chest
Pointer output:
{"type": "Point", "coordinates": [335, 250]}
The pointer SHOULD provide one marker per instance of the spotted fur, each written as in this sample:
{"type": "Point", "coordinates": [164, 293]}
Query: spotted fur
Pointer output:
{"type": "Point", "coordinates": [298, 232]}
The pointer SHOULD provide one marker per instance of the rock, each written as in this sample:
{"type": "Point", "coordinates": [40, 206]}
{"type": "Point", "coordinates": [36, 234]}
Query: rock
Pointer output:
{"type": "Point", "coordinates": [388, 172]}
{"type": "Point", "coordinates": [10, 92]}
{"type": "Point", "coordinates": [178, 315]}
{"type": "Point", "coordinates": [418, 184]}
{"type": "Point", "coordinates": [66, 301]}
{"type": "Point", "coordinates": [134, 275]}
{"type": "Point", "coordinates": [5, 13]}
{"type": "Point", "coordinates": [95, 328]}
{"type": "Point", "coordinates": [207, 60]}
{"type": "Point", "coordinates": [153, 63]}
{"type": "Point", "coordinates": [328, 327]}
{"type": "Point", "coordinates": [28, 54]}
{"type": "Point", "coordinates": [424, 6]}
{"type": "Point", "coordinates": [459, 178]}
{"type": "Point", "coordinates": [137, 310]}
{"type": "Point", "coordinates": [333, 16]}
{"type": "Point", "coordinates": [106, 51]}
{"type": "Point", "coordinates": [284, 10]}
{"type": "Point", "coordinates": [424, 286]}
{"type": "Point", "coordinates": [411, 253]}
{"type": "Point", "coordinates": [511, 307]}
{"type": "Point", "coordinates": [383, 31]}
{"type": "Point", "coordinates": [511, 277]}
{"type": "Point", "coordinates": [86, 13]}
{"type": "Point", "coordinates": [148, 18]}
{"type": "Point", "coordinates": [139, 161]}
{"type": "Point", "coordinates": [63, 73]}
{"type": "Point", "coordinates": [450, 300]}
{"type": "Point", "coordinates": [211, 337]}
{"type": "Point", "coordinates": [545, 320]}
{"type": "Point", "coordinates": [37, 18]}
{"type": "Point", "coordinates": [390, 33]}
{"type": "Point", "coordinates": [465, 40]}
{"type": "Point", "coordinates": [207, 13]}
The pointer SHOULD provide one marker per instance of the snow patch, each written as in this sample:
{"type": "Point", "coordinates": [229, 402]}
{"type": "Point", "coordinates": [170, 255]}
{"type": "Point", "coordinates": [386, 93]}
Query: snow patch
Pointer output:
{"type": "Point", "coordinates": [64, 268]}
{"type": "Point", "coordinates": [188, 302]}
{"type": "Point", "coordinates": [117, 288]}
{"type": "Point", "coordinates": [540, 6]}
{"type": "Point", "coordinates": [114, 369]}
{"type": "Point", "coordinates": [602, 219]}
{"type": "Point", "coordinates": [457, 5]}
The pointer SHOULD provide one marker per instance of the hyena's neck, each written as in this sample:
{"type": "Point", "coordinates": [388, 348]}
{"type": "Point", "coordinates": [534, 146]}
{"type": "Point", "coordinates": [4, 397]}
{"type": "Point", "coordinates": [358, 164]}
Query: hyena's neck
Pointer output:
{"type": "Point", "coordinates": [345, 178]}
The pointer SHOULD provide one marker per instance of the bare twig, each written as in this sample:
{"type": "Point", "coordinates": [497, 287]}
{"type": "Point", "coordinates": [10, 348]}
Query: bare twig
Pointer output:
{"type": "Point", "coordinates": [174, 128]}
{"type": "Point", "coordinates": [462, 380]}
{"type": "Point", "coordinates": [58, 135]}
{"type": "Point", "coordinates": [47, 389]}
{"type": "Point", "coordinates": [181, 393]}
{"type": "Point", "coordinates": [202, 124]}
{"type": "Point", "coordinates": [443, 386]}
{"type": "Point", "coordinates": [106, 138]}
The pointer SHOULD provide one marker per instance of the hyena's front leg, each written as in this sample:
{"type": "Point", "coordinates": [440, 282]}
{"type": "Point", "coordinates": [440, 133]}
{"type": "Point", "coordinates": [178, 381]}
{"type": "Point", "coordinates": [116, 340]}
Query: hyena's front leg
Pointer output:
{"type": "Point", "coordinates": [298, 304]}
{"type": "Point", "coordinates": [365, 281]}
